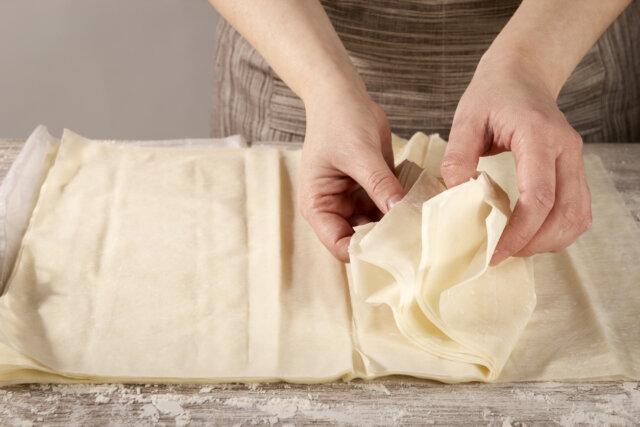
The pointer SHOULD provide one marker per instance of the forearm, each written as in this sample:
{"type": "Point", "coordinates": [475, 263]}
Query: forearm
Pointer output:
{"type": "Point", "coordinates": [297, 39]}
{"type": "Point", "coordinates": [554, 35]}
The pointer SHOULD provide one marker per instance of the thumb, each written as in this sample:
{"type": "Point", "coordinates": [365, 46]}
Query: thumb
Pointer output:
{"type": "Point", "coordinates": [466, 144]}
{"type": "Point", "coordinates": [375, 177]}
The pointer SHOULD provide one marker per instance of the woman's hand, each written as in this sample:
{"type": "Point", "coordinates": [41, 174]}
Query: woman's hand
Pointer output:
{"type": "Point", "coordinates": [507, 106]}
{"type": "Point", "coordinates": [348, 140]}
{"type": "Point", "coordinates": [345, 176]}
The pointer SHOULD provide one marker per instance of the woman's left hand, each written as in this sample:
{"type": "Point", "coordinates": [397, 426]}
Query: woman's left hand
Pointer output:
{"type": "Point", "coordinates": [507, 106]}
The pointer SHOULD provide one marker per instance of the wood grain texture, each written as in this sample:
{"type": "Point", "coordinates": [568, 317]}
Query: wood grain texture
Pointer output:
{"type": "Point", "coordinates": [392, 400]}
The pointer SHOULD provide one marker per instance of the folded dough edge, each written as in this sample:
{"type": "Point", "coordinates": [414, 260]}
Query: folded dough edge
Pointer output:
{"type": "Point", "coordinates": [427, 261]}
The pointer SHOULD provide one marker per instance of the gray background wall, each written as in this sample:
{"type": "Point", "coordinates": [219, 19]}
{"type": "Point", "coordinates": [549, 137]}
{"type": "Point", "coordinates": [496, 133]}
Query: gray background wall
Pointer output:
{"type": "Point", "coordinates": [106, 68]}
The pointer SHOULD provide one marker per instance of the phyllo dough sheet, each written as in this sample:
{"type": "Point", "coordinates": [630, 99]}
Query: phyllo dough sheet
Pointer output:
{"type": "Point", "coordinates": [585, 323]}
{"type": "Point", "coordinates": [161, 264]}
{"type": "Point", "coordinates": [427, 262]}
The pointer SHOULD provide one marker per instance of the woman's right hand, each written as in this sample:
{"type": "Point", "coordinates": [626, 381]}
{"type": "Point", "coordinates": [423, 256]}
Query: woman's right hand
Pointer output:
{"type": "Point", "coordinates": [346, 174]}
{"type": "Point", "coordinates": [348, 140]}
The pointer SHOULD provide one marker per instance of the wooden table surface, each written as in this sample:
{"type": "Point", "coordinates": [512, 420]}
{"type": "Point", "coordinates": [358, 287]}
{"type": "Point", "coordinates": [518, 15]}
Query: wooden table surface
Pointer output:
{"type": "Point", "coordinates": [392, 400]}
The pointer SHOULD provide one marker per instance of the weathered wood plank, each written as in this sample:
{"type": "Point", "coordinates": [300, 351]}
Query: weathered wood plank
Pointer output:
{"type": "Point", "coordinates": [385, 401]}
{"type": "Point", "coordinates": [393, 400]}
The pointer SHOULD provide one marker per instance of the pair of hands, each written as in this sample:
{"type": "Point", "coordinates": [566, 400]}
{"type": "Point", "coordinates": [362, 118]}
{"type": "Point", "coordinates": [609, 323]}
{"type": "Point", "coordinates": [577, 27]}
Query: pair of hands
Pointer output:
{"type": "Point", "coordinates": [505, 107]}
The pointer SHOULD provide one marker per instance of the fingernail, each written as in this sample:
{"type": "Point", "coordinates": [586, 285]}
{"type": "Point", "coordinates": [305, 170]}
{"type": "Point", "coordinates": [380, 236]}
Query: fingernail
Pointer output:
{"type": "Point", "coordinates": [392, 201]}
{"type": "Point", "coordinates": [499, 256]}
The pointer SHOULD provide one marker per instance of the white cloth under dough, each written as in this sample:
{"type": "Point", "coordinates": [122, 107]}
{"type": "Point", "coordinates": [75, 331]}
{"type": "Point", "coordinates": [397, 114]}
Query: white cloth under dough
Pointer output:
{"type": "Point", "coordinates": [172, 265]}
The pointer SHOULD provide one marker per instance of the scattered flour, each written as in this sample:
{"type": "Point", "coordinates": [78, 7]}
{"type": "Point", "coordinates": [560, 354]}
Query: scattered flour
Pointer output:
{"type": "Point", "coordinates": [372, 386]}
{"type": "Point", "coordinates": [101, 398]}
{"type": "Point", "coordinates": [286, 408]}
{"type": "Point", "coordinates": [633, 390]}
{"type": "Point", "coordinates": [399, 415]}
{"type": "Point", "coordinates": [172, 408]}
{"type": "Point", "coordinates": [168, 407]}
{"type": "Point", "coordinates": [531, 396]}
{"type": "Point", "coordinates": [281, 408]}
{"type": "Point", "coordinates": [507, 422]}
{"type": "Point", "coordinates": [50, 411]}
{"type": "Point", "coordinates": [592, 418]}
{"type": "Point", "coordinates": [67, 389]}
{"type": "Point", "coordinates": [150, 411]}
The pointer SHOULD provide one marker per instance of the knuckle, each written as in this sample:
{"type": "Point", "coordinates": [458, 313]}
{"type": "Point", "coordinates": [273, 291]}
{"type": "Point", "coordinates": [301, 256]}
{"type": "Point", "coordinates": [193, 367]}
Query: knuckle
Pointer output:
{"type": "Point", "coordinates": [575, 216]}
{"type": "Point", "coordinates": [573, 142]}
{"type": "Point", "coordinates": [317, 203]}
{"type": "Point", "coordinates": [540, 121]}
{"type": "Point", "coordinates": [379, 180]}
{"type": "Point", "coordinates": [465, 114]}
{"type": "Point", "coordinates": [544, 196]}
{"type": "Point", "coordinates": [451, 161]}
{"type": "Point", "coordinates": [461, 118]}
{"type": "Point", "coordinates": [571, 214]}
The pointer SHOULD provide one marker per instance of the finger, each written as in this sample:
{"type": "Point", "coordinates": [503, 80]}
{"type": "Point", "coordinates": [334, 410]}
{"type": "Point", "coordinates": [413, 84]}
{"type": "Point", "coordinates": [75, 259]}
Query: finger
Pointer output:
{"type": "Point", "coordinates": [571, 213]}
{"type": "Point", "coordinates": [362, 202]}
{"type": "Point", "coordinates": [327, 213]}
{"type": "Point", "coordinates": [359, 219]}
{"type": "Point", "coordinates": [537, 183]}
{"type": "Point", "coordinates": [467, 142]}
{"type": "Point", "coordinates": [333, 231]}
{"type": "Point", "coordinates": [372, 172]}
{"type": "Point", "coordinates": [339, 204]}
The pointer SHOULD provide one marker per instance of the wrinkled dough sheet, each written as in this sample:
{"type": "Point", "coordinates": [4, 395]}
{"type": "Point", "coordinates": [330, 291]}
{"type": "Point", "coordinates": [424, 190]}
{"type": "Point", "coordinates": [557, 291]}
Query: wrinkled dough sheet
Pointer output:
{"type": "Point", "coordinates": [427, 262]}
{"type": "Point", "coordinates": [160, 264]}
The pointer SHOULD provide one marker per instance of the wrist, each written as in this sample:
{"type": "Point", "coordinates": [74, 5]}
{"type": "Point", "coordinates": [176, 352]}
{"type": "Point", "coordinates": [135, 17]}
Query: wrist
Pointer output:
{"type": "Point", "coordinates": [523, 63]}
{"type": "Point", "coordinates": [340, 87]}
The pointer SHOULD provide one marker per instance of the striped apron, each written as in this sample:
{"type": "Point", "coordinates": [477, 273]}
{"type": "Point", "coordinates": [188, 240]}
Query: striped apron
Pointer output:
{"type": "Point", "coordinates": [416, 58]}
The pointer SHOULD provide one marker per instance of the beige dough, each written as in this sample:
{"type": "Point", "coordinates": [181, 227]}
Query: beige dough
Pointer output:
{"type": "Point", "coordinates": [427, 262]}
{"type": "Point", "coordinates": [172, 265]}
